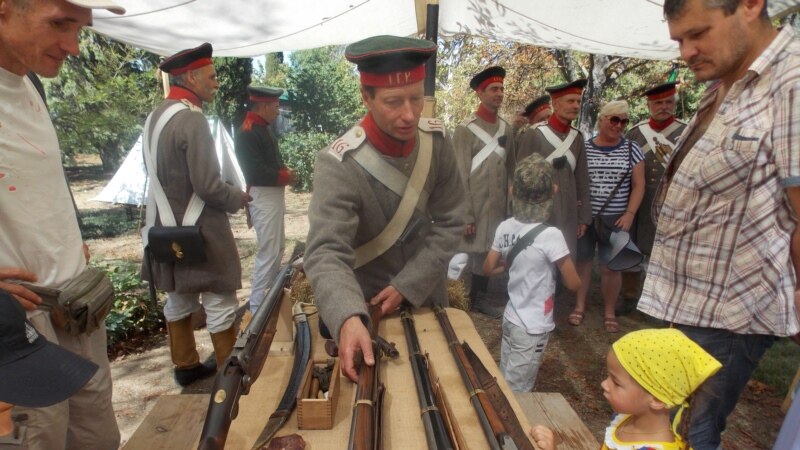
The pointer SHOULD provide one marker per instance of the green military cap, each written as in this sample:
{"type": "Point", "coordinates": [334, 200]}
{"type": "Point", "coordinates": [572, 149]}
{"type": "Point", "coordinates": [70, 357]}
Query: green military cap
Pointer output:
{"type": "Point", "coordinates": [573, 87]}
{"type": "Point", "coordinates": [390, 61]}
{"type": "Point", "coordinates": [661, 91]}
{"type": "Point", "coordinates": [537, 105]}
{"type": "Point", "coordinates": [189, 59]}
{"type": "Point", "coordinates": [264, 93]}
{"type": "Point", "coordinates": [494, 74]}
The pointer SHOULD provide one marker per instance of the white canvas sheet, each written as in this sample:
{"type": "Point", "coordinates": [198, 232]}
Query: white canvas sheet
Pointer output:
{"type": "Point", "coordinates": [129, 184]}
{"type": "Point", "coordinates": [243, 28]}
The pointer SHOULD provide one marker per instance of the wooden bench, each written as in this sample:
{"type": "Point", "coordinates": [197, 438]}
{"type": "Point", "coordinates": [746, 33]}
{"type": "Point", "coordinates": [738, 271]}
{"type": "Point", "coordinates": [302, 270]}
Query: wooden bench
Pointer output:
{"type": "Point", "coordinates": [552, 410]}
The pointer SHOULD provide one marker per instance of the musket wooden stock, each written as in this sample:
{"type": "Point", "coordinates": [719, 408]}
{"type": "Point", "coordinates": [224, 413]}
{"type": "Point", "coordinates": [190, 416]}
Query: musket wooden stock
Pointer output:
{"type": "Point", "coordinates": [243, 366]}
{"type": "Point", "coordinates": [491, 423]}
{"type": "Point", "coordinates": [365, 428]}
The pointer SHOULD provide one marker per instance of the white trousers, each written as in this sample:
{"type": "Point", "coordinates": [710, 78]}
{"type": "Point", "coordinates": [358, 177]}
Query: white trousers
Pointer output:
{"type": "Point", "coordinates": [220, 308]}
{"type": "Point", "coordinates": [85, 420]}
{"type": "Point", "coordinates": [266, 213]}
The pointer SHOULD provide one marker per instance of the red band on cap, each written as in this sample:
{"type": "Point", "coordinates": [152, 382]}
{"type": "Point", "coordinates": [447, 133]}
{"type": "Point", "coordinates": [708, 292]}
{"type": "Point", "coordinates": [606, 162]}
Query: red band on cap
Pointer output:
{"type": "Point", "coordinates": [660, 95]}
{"type": "Point", "coordinates": [488, 81]}
{"type": "Point", "coordinates": [256, 99]}
{"type": "Point", "coordinates": [194, 65]}
{"type": "Point", "coordinates": [393, 79]}
{"type": "Point", "coordinates": [540, 109]}
{"type": "Point", "coordinates": [567, 91]}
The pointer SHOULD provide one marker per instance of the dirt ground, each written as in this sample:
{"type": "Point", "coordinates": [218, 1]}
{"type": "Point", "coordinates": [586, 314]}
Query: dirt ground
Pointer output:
{"type": "Point", "coordinates": [574, 362]}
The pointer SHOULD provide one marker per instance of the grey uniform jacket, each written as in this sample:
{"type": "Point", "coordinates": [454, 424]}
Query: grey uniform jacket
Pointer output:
{"type": "Point", "coordinates": [644, 230]}
{"type": "Point", "coordinates": [573, 185]}
{"type": "Point", "coordinates": [486, 187]}
{"type": "Point", "coordinates": [187, 162]}
{"type": "Point", "coordinates": [350, 207]}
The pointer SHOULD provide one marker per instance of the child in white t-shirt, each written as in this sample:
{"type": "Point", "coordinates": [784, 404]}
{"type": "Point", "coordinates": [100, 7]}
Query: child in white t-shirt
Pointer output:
{"type": "Point", "coordinates": [528, 317]}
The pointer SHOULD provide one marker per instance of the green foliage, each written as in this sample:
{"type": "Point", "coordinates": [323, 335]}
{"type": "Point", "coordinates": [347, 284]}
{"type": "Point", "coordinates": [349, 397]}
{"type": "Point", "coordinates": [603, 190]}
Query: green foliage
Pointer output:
{"type": "Point", "coordinates": [778, 366]}
{"type": "Point", "coordinates": [233, 75]}
{"type": "Point", "coordinates": [133, 313]}
{"type": "Point", "coordinates": [323, 91]}
{"type": "Point", "coordinates": [299, 150]}
{"type": "Point", "coordinates": [275, 71]}
{"type": "Point", "coordinates": [101, 98]}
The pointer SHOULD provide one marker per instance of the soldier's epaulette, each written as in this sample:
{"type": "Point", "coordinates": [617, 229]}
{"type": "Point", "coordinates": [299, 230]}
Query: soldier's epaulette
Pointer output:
{"type": "Point", "coordinates": [191, 106]}
{"type": "Point", "coordinates": [351, 140]}
{"type": "Point", "coordinates": [469, 119]}
{"type": "Point", "coordinates": [431, 125]}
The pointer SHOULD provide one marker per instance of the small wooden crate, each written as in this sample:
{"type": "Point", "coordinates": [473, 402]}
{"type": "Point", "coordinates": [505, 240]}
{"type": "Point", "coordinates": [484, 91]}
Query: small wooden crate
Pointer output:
{"type": "Point", "coordinates": [317, 413]}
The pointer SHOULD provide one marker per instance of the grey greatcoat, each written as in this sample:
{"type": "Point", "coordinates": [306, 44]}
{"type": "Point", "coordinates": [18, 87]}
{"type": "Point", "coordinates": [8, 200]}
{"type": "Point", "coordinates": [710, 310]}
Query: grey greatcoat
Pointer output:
{"type": "Point", "coordinates": [487, 187]}
{"type": "Point", "coordinates": [187, 162]}
{"type": "Point", "coordinates": [349, 207]}
{"type": "Point", "coordinates": [571, 204]}
{"type": "Point", "coordinates": [644, 229]}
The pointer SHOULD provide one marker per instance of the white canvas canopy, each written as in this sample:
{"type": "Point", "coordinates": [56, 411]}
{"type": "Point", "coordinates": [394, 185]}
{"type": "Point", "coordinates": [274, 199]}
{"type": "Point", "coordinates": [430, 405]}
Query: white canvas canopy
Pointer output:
{"type": "Point", "coordinates": [244, 28]}
{"type": "Point", "coordinates": [129, 184]}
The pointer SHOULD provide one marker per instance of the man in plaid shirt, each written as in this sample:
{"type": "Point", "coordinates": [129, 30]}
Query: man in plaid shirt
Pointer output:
{"type": "Point", "coordinates": [726, 254]}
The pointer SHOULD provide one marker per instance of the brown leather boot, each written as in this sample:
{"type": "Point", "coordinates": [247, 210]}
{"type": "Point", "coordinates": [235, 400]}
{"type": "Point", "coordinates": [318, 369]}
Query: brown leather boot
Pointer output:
{"type": "Point", "coordinates": [223, 344]}
{"type": "Point", "coordinates": [183, 350]}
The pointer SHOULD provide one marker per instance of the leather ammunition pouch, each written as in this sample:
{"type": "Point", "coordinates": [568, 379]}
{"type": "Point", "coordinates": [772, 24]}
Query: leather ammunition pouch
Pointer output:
{"type": "Point", "coordinates": [176, 244]}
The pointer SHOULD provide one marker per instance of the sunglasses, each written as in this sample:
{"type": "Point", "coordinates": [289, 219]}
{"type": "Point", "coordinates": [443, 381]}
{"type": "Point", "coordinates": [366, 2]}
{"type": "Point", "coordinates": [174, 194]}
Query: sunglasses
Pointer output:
{"type": "Point", "coordinates": [615, 120]}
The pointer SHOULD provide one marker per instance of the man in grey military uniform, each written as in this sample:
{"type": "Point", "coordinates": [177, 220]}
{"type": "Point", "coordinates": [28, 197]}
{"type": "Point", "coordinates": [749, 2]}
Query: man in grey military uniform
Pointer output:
{"type": "Point", "coordinates": [562, 144]}
{"type": "Point", "coordinates": [484, 145]}
{"type": "Point", "coordinates": [657, 137]}
{"type": "Point", "coordinates": [386, 213]}
{"type": "Point", "coordinates": [187, 166]}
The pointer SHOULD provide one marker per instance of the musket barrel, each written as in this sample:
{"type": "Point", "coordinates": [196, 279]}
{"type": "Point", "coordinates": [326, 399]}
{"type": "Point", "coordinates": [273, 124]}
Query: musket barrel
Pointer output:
{"type": "Point", "coordinates": [435, 428]}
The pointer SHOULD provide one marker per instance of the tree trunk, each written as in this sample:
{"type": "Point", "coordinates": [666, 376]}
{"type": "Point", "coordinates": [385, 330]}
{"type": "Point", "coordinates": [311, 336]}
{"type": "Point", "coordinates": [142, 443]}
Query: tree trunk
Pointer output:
{"type": "Point", "coordinates": [592, 95]}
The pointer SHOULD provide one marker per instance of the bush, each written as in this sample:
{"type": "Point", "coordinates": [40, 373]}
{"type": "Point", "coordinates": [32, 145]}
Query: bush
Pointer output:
{"type": "Point", "coordinates": [133, 313]}
{"type": "Point", "coordinates": [299, 150]}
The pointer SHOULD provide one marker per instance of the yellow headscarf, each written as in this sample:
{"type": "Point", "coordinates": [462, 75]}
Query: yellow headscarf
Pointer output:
{"type": "Point", "coordinates": [665, 362]}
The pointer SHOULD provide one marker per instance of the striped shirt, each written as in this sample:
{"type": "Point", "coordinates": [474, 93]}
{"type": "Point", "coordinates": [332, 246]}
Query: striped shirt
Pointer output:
{"type": "Point", "coordinates": [721, 256]}
{"type": "Point", "coordinates": [607, 166]}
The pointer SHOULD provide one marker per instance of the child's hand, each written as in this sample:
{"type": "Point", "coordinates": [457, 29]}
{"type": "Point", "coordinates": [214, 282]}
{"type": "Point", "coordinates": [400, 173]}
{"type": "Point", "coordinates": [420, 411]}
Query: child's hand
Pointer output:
{"type": "Point", "coordinates": [543, 437]}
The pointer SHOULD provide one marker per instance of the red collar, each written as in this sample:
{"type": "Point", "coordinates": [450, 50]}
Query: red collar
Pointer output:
{"type": "Point", "coordinates": [658, 126]}
{"type": "Point", "coordinates": [485, 114]}
{"type": "Point", "coordinates": [253, 119]}
{"type": "Point", "coordinates": [181, 93]}
{"type": "Point", "coordinates": [556, 124]}
{"type": "Point", "coordinates": [384, 143]}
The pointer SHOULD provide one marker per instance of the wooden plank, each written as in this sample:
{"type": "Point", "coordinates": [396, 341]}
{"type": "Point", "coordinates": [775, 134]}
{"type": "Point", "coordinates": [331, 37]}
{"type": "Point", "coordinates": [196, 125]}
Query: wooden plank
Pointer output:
{"type": "Point", "coordinates": [552, 410]}
{"type": "Point", "coordinates": [167, 426]}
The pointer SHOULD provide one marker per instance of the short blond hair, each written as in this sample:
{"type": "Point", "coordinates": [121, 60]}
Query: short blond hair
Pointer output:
{"type": "Point", "coordinates": [614, 107]}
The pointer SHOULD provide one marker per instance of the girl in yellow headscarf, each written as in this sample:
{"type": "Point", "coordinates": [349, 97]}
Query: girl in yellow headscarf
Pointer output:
{"type": "Point", "coordinates": [650, 374]}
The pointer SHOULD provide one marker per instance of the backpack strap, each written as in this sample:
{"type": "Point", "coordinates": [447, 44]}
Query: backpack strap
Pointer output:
{"type": "Point", "coordinates": [524, 242]}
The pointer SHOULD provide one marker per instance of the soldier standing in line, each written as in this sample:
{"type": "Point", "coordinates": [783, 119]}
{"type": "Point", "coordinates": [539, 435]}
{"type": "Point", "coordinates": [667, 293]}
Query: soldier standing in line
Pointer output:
{"type": "Point", "coordinates": [657, 138]}
{"type": "Point", "coordinates": [266, 177]}
{"type": "Point", "coordinates": [484, 145]}
{"type": "Point", "coordinates": [537, 111]}
{"type": "Point", "coordinates": [563, 145]}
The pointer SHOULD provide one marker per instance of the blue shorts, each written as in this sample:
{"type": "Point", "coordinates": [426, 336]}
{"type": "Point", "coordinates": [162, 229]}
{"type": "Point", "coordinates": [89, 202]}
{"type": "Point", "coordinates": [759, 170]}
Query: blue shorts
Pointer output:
{"type": "Point", "coordinates": [589, 241]}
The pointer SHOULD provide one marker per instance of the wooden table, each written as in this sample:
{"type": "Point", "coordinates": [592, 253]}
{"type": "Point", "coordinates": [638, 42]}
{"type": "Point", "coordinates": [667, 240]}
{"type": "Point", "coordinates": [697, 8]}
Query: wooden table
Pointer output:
{"type": "Point", "coordinates": [552, 410]}
{"type": "Point", "coordinates": [176, 421]}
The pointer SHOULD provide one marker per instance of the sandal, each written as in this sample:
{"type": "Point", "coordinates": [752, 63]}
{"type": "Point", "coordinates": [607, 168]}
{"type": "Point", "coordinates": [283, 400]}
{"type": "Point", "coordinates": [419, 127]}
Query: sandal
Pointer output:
{"type": "Point", "coordinates": [611, 325]}
{"type": "Point", "coordinates": [575, 318]}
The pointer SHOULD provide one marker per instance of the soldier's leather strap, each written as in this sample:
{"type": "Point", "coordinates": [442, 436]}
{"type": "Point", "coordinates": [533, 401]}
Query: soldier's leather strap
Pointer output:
{"type": "Point", "coordinates": [388, 236]}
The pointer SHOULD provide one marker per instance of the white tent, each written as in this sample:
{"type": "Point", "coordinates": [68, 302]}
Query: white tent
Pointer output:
{"type": "Point", "coordinates": [129, 184]}
{"type": "Point", "coordinates": [632, 28]}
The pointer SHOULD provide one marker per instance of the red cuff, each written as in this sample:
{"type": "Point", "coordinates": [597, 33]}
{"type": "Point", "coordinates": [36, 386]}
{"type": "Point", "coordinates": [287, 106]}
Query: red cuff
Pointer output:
{"type": "Point", "coordinates": [284, 177]}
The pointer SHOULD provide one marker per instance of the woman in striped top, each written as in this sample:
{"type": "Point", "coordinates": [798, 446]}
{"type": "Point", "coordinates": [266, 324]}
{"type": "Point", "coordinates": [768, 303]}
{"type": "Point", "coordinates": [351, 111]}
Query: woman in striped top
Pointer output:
{"type": "Point", "coordinates": [613, 161]}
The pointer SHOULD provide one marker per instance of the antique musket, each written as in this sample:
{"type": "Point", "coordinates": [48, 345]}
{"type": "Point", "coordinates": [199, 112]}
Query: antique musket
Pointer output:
{"type": "Point", "coordinates": [302, 353]}
{"type": "Point", "coordinates": [243, 366]}
{"type": "Point", "coordinates": [365, 427]}
{"type": "Point", "coordinates": [432, 419]}
{"type": "Point", "coordinates": [493, 422]}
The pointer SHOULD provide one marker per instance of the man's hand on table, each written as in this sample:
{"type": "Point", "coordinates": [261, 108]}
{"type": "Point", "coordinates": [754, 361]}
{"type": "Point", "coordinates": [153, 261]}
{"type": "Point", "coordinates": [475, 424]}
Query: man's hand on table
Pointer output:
{"type": "Point", "coordinates": [389, 299]}
{"type": "Point", "coordinates": [353, 338]}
